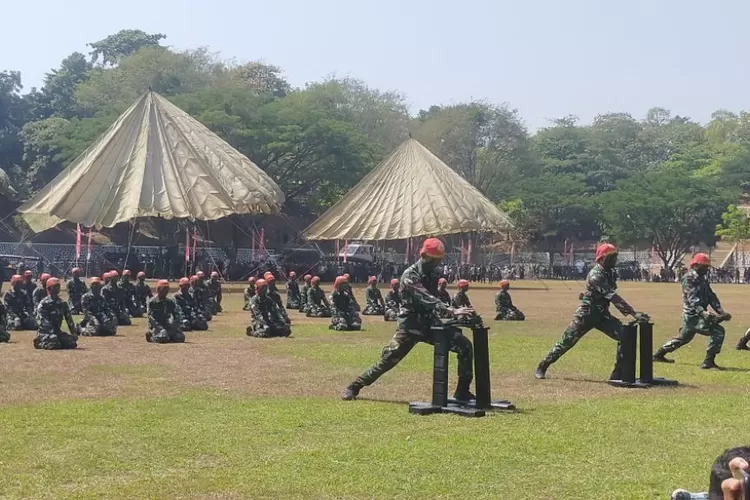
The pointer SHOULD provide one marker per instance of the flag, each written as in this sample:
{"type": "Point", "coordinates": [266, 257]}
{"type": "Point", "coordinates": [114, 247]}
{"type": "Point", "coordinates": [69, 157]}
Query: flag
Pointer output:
{"type": "Point", "coordinates": [346, 251]}
{"type": "Point", "coordinates": [262, 243]}
{"type": "Point", "coordinates": [406, 252]}
{"type": "Point", "coordinates": [338, 250]}
{"type": "Point", "coordinates": [78, 242]}
{"type": "Point", "coordinates": [463, 252]}
{"type": "Point", "coordinates": [253, 251]}
{"type": "Point", "coordinates": [195, 242]}
{"type": "Point", "coordinates": [187, 245]}
{"type": "Point", "coordinates": [468, 252]}
{"type": "Point", "coordinates": [88, 247]}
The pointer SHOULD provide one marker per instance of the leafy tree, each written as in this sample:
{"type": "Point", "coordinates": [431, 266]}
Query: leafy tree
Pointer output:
{"type": "Point", "coordinates": [41, 144]}
{"type": "Point", "coordinates": [13, 114]}
{"type": "Point", "coordinates": [262, 78]}
{"type": "Point", "coordinates": [735, 227]}
{"type": "Point", "coordinates": [115, 47]}
{"type": "Point", "coordinates": [57, 97]}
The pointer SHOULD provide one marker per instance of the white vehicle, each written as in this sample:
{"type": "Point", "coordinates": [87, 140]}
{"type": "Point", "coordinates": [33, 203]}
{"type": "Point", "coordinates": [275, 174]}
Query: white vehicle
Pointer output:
{"type": "Point", "coordinates": [358, 252]}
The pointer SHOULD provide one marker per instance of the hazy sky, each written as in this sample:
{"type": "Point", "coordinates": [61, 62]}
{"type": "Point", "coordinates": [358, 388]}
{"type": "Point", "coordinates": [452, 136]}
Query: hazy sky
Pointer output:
{"type": "Point", "coordinates": [548, 58]}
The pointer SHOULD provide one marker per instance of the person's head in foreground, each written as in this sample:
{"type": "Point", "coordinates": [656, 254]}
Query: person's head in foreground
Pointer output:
{"type": "Point", "coordinates": [432, 253]}
{"type": "Point", "coordinates": [727, 475]}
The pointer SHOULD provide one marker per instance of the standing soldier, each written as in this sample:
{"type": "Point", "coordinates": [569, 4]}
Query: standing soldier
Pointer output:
{"type": "Point", "coordinates": [392, 302]}
{"type": "Point", "coordinates": [461, 299]}
{"type": "Point", "coordinates": [267, 318]}
{"type": "Point", "coordinates": [192, 317]}
{"type": "Point", "coordinates": [445, 298]}
{"type": "Point", "coordinates": [41, 291]}
{"type": "Point", "coordinates": [98, 318]}
{"type": "Point", "coordinates": [128, 294]}
{"type": "Point", "coordinates": [76, 288]}
{"type": "Point", "coordinates": [29, 286]}
{"type": "Point", "coordinates": [114, 297]}
{"type": "Point", "coordinates": [16, 306]}
{"type": "Point", "coordinates": [164, 317]}
{"type": "Point", "coordinates": [249, 293]}
{"type": "Point", "coordinates": [303, 293]}
{"type": "Point", "coordinates": [345, 316]}
{"type": "Point", "coordinates": [142, 291]}
{"type": "Point", "coordinates": [214, 293]}
{"type": "Point", "coordinates": [50, 313]}
{"type": "Point", "coordinates": [418, 314]}
{"type": "Point", "coordinates": [292, 292]}
{"type": "Point", "coordinates": [273, 294]}
{"type": "Point", "coordinates": [593, 312]}
{"type": "Point", "coordinates": [697, 297]}
{"type": "Point", "coordinates": [317, 303]}
{"type": "Point", "coordinates": [504, 305]}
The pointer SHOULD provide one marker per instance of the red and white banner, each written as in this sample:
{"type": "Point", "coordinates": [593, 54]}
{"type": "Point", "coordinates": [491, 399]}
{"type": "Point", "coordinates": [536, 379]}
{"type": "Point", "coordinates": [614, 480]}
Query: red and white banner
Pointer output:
{"type": "Point", "coordinates": [187, 245]}
{"type": "Point", "coordinates": [262, 243]}
{"type": "Point", "coordinates": [78, 242]}
{"type": "Point", "coordinates": [468, 252]}
{"type": "Point", "coordinates": [88, 247]}
{"type": "Point", "coordinates": [195, 242]}
{"type": "Point", "coordinates": [346, 251]}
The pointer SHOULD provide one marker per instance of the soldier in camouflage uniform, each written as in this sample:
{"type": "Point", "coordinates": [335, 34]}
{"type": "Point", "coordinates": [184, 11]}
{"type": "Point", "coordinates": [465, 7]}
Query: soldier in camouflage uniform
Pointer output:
{"type": "Point", "coordinates": [41, 291]}
{"type": "Point", "coordinates": [76, 288]}
{"type": "Point", "coordinates": [461, 299]}
{"type": "Point", "coordinates": [504, 305]}
{"type": "Point", "coordinates": [98, 318]}
{"type": "Point", "coordinates": [29, 287]}
{"type": "Point", "coordinates": [418, 314]}
{"type": "Point", "coordinates": [303, 293]}
{"type": "Point", "coordinates": [115, 298]}
{"type": "Point", "coordinates": [192, 317]}
{"type": "Point", "coordinates": [16, 308]}
{"type": "Point", "coordinates": [292, 292]}
{"type": "Point", "coordinates": [445, 297]}
{"type": "Point", "coordinates": [350, 292]}
{"type": "Point", "coordinates": [317, 305]}
{"type": "Point", "coordinates": [249, 293]}
{"type": "Point", "coordinates": [392, 302]}
{"type": "Point", "coordinates": [373, 298]}
{"type": "Point", "coordinates": [50, 313]}
{"type": "Point", "coordinates": [164, 319]}
{"type": "Point", "coordinates": [142, 291]}
{"type": "Point", "coordinates": [273, 294]}
{"type": "Point", "coordinates": [128, 293]}
{"type": "Point", "coordinates": [593, 312]}
{"type": "Point", "coordinates": [4, 334]}
{"type": "Point", "coordinates": [200, 294]}
{"type": "Point", "coordinates": [268, 320]}
{"type": "Point", "coordinates": [344, 315]}
{"type": "Point", "coordinates": [214, 293]}
{"type": "Point", "coordinates": [697, 297]}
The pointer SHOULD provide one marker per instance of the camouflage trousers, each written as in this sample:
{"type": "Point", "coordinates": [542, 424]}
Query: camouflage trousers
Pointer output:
{"type": "Point", "coordinates": [696, 324]}
{"type": "Point", "coordinates": [303, 306]}
{"type": "Point", "coordinates": [292, 302]}
{"type": "Point", "coordinates": [162, 335]}
{"type": "Point", "coordinates": [74, 302]}
{"type": "Point", "coordinates": [373, 310]}
{"type": "Point", "coordinates": [4, 335]}
{"type": "Point", "coordinates": [510, 315]}
{"type": "Point", "coordinates": [55, 340]}
{"type": "Point", "coordinates": [404, 341]}
{"type": "Point", "coordinates": [345, 322]}
{"type": "Point", "coordinates": [580, 326]}
{"type": "Point", "coordinates": [260, 329]}
{"type": "Point", "coordinates": [194, 323]}
{"type": "Point", "coordinates": [390, 315]}
{"type": "Point", "coordinates": [98, 326]}
{"type": "Point", "coordinates": [216, 305]}
{"type": "Point", "coordinates": [21, 323]}
{"type": "Point", "coordinates": [246, 306]}
{"type": "Point", "coordinates": [123, 319]}
{"type": "Point", "coordinates": [134, 310]}
{"type": "Point", "coordinates": [318, 312]}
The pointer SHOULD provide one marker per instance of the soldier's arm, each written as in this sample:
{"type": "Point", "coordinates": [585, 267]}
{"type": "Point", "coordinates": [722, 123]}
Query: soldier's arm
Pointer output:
{"type": "Point", "coordinates": [178, 315]}
{"type": "Point", "coordinates": [713, 300]}
{"type": "Point", "coordinates": [256, 312]}
{"type": "Point", "coordinates": [69, 319]}
{"type": "Point", "coordinates": [692, 295]}
{"type": "Point", "coordinates": [153, 320]}
{"type": "Point", "coordinates": [421, 294]}
{"type": "Point", "coordinates": [600, 284]}
{"type": "Point", "coordinates": [380, 299]}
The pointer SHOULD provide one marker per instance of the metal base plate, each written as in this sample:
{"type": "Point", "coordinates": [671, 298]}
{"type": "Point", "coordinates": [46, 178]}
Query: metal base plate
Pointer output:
{"type": "Point", "coordinates": [660, 381]}
{"type": "Point", "coordinates": [629, 385]}
{"type": "Point", "coordinates": [419, 408]}
{"type": "Point", "coordinates": [497, 404]}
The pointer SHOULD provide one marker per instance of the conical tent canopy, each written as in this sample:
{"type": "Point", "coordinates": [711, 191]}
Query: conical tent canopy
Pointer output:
{"type": "Point", "coordinates": [411, 193]}
{"type": "Point", "coordinates": [154, 161]}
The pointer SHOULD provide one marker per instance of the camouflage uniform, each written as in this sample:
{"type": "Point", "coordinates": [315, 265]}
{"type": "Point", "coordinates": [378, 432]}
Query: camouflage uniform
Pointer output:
{"type": "Point", "coordinates": [419, 305]}
{"type": "Point", "coordinates": [249, 294]}
{"type": "Point", "coordinates": [164, 321]}
{"type": "Point", "coordinates": [446, 299]}
{"type": "Point", "coordinates": [98, 318]}
{"type": "Point", "coordinates": [344, 315]}
{"type": "Point", "coordinates": [392, 305]}
{"type": "Point", "coordinates": [505, 308]}
{"type": "Point", "coordinates": [593, 312]}
{"type": "Point", "coordinates": [292, 294]}
{"type": "Point", "coordinates": [200, 295]}
{"type": "Point", "coordinates": [461, 299]}
{"type": "Point", "coordinates": [76, 288]}
{"type": "Point", "coordinates": [192, 317]}
{"type": "Point", "coordinates": [697, 297]}
{"type": "Point", "coordinates": [116, 301]}
{"type": "Point", "coordinates": [317, 303]}
{"type": "Point", "coordinates": [348, 290]}
{"type": "Point", "coordinates": [273, 294]}
{"type": "Point", "coordinates": [142, 294]}
{"type": "Point", "coordinates": [18, 317]}
{"type": "Point", "coordinates": [375, 305]}
{"type": "Point", "coordinates": [214, 295]}
{"type": "Point", "coordinates": [303, 294]}
{"type": "Point", "coordinates": [130, 301]}
{"type": "Point", "coordinates": [29, 287]}
{"type": "Point", "coordinates": [50, 314]}
{"type": "Point", "coordinates": [268, 319]}
{"type": "Point", "coordinates": [4, 334]}
{"type": "Point", "coordinates": [39, 294]}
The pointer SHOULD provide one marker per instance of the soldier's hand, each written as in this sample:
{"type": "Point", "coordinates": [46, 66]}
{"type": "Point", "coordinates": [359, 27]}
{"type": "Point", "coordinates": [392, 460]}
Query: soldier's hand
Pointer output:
{"type": "Point", "coordinates": [463, 311]}
{"type": "Point", "coordinates": [725, 316]}
{"type": "Point", "coordinates": [641, 317]}
{"type": "Point", "coordinates": [707, 316]}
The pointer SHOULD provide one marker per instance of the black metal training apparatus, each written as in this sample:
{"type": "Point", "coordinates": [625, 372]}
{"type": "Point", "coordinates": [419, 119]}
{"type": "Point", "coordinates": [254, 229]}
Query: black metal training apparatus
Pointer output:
{"type": "Point", "coordinates": [629, 345]}
{"type": "Point", "coordinates": [441, 403]}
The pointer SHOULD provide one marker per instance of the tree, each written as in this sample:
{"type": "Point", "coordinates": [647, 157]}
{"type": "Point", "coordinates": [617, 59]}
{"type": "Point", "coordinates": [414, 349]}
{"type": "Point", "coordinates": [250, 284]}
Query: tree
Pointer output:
{"type": "Point", "coordinates": [115, 47]}
{"type": "Point", "coordinates": [13, 114]}
{"type": "Point", "coordinates": [671, 210]}
{"type": "Point", "coordinates": [41, 145]}
{"type": "Point", "coordinates": [262, 78]}
{"type": "Point", "coordinates": [57, 97]}
{"type": "Point", "coordinates": [735, 227]}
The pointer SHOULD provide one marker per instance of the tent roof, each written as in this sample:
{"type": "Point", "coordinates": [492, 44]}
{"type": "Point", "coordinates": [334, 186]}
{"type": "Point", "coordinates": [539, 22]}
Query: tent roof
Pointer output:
{"type": "Point", "coordinates": [154, 161]}
{"type": "Point", "coordinates": [411, 193]}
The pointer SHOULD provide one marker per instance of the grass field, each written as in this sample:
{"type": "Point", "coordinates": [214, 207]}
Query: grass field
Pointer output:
{"type": "Point", "coordinates": [225, 416]}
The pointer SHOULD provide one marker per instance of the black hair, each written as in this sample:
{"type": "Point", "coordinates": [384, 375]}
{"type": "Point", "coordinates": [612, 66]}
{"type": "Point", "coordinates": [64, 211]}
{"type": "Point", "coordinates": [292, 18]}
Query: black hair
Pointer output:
{"type": "Point", "coordinates": [720, 470]}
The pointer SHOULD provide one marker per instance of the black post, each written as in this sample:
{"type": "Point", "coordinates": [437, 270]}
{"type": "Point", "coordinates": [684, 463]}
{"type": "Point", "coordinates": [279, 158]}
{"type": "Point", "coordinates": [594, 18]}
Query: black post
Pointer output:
{"type": "Point", "coordinates": [440, 367]}
{"type": "Point", "coordinates": [482, 367]}
{"type": "Point", "coordinates": [628, 340]}
{"type": "Point", "coordinates": [646, 350]}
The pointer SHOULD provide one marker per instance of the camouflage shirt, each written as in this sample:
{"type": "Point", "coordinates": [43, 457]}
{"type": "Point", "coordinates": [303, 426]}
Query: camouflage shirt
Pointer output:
{"type": "Point", "coordinates": [76, 288]}
{"type": "Point", "coordinates": [50, 314]}
{"type": "Point", "coordinates": [303, 293]}
{"type": "Point", "coordinates": [393, 300]}
{"type": "Point", "coordinates": [316, 296]}
{"type": "Point", "coordinates": [444, 296]}
{"type": "Point", "coordinates": [142, 291]}
{"type": "Point", "coordinates": [39, 295]}
{"type": "Point", "coordinates": [114, 296]}
{"type": "Point", "coordinates": [419, 291]}
{"type": "Point", "coordinates": [265, 310]}
{"type": "Point", "coordinates": [697, 295]}
{"type": "Point", "coordinates": [15, 302]}
{"type": "Point", "coordinates": [128, 289]}
{"type": "Point", "coordinates": [292, 288]}
{"type": "Point", "coordinates": [601, 290]}
{"type": "Point", "coordinates": [214, 288]}
{"type": "Point", "coordinates": [93, 304]}
{"type": "Point", "coordinates": [342, 301]}
{"type": "Point", "coordinates": [186, 303]}
{"type": "Point", "coordinates": [461, 300]}
{"type": "Point", "coordinates": [503, 301]}
{"type": "Point", "coordinates": [373, 296]}
{"type": "Point", "coordinates": [163, 313]}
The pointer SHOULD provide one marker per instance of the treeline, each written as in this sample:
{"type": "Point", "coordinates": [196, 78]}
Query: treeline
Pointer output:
{"type": "Point", "coordinates": [663, 180]}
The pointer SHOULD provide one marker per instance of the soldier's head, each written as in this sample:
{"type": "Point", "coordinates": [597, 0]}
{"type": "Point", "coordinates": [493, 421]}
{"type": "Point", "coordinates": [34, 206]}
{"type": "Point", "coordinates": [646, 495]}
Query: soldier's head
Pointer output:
{"type": "Point", "coordinates": [127, 275]}
{"type": "Point", "coordinates": [315, 281]}
{"type": "Point", "coordinates": [269, 278]}
{"type": "Point", "coordinates": [162, 289]}
{"type": "Point", "coordinates": [75, 272]}
{"type": "Point", "coordinates": [141, 277]}
{"type": "Point", "coordinates": [53, 287]}
{"type": "Point", "coordinates": [606, 255]}
{"type": "Point", "coordinates": [96, 285]}
{"type": "Point", "coordinates": [307, 278]}
{"type": "Point", "coordinates": [463, 285]}
{"type": "Point", "coordinates": [251, 280]}
{"type": "Point", "coordinates": [16, 281]}
{"type": "Point", "coordinates": [442, 283]}
{"type": "Point", "coordinates": [201, 276]}
{"type": "Point", "coordinates": [395, 283]}
{"type": "Point", "coordinates": [193, 280]}
{"type": "Point", "coordinates": [261, 288]}
{"type": "Point", "coordinates": [184, 284]}
{"type": "Point", "coordinates": [504, 284]}
{"type": "Point", "coordinates": [27, 276]}
{"type": "Point", "coordinates": [43, 279]}
{"type": "Point", "coordinates": [292, 275]}
{"type": "Point", "coordinates": [214, 276]}
{"type": "Point", "coordinates": [372, 281]}
{"type": "Point", "coordinates": [432, 253]}
{"type": "Point", "coordinates": [114, 277]}
{"type": "Point", "coordinates": [701, 263]}
{"type": "Point", "coordinates": [340, 283]}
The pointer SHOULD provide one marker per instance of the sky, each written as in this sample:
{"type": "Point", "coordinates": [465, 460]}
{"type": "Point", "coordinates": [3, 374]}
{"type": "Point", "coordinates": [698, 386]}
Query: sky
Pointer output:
{"type": "Point", "coordinates": [546, 58]}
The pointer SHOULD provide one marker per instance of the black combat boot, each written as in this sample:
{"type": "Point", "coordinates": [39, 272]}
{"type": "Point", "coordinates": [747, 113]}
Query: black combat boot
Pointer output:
{"type": "Point", "coordinates": [541, 370]}
{"type": "Point", "coordinates": [710, 362]}
{"type": "Point", "coordinates": [351, 392]}
{"type": "Point", "coordinates": [742, 344]}
{"type": "Point", "coordinates": [462, 391]}
{"type": "Point", "coordinates": [660, 356]}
